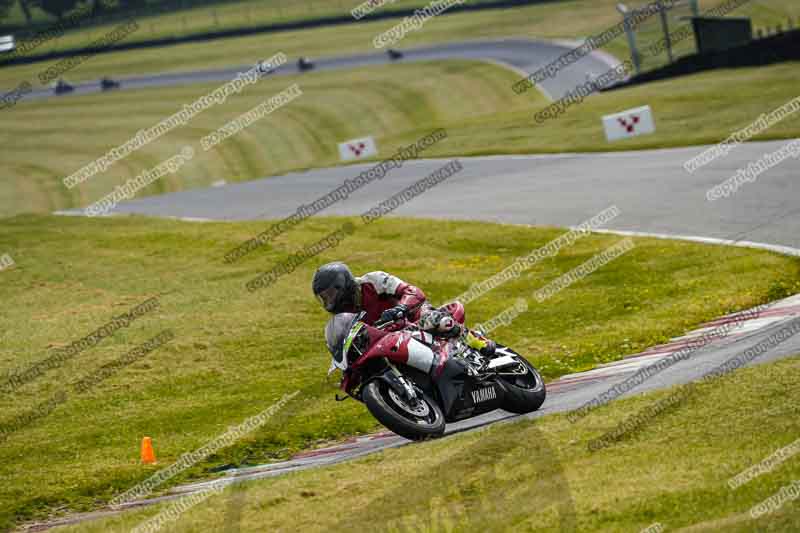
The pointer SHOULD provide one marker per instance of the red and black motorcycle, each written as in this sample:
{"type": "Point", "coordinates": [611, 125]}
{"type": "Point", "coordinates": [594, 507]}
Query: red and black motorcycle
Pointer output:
{"type": "Point", "coordinates": [382, 366]}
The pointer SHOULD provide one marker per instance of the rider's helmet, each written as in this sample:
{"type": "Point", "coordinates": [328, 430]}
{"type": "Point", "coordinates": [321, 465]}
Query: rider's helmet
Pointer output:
{"type": "Point", "coordinates": [335, 287]}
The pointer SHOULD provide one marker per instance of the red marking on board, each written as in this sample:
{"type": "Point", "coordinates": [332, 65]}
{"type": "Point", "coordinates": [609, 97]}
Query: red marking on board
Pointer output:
{"type": "Point", "coordinates": [357, 149]}
{"type": "Point", "coordinates": [629, 127]}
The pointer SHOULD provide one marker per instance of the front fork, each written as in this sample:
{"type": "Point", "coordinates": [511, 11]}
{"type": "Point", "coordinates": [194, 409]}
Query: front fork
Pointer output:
{"type": "Point", "coordinates": [398, 383]}
{"type": "Point", "coordinates": [389, 375]}
{"type": "Point", "coordinates": [408, 391]}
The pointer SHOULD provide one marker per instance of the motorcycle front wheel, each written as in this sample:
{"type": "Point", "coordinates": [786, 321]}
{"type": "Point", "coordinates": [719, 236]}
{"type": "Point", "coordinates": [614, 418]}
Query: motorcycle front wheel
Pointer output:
{"type": "Point", "coordinates": [525, 390]}
{"type": "Point", "coordinates": [422, 421]}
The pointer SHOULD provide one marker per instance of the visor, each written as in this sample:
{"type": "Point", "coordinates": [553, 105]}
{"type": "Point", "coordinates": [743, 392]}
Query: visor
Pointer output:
{"type": "Point", "coordinates": [328, 298]}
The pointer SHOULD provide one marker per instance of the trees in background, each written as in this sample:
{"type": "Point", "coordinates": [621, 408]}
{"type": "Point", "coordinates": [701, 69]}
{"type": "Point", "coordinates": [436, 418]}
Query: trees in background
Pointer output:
{"type": "Point", "coordinates": [32, 9]}
{"type": "Point", "coordinates": [26, 10]}
{"type": "Point", "coordinates": [133, 4]}
{"type": "Point", "coordinates": [5, 7]}
{"type": "Point", "coordinates": [57, 8]}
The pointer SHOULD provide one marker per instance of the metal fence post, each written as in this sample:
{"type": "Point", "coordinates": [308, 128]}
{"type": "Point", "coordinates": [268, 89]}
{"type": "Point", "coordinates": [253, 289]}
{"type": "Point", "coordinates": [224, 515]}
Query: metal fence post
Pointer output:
{"type": "Point", "coordinates": [662, 11]}
{"type": "Point", "coordinates": [637, 63]}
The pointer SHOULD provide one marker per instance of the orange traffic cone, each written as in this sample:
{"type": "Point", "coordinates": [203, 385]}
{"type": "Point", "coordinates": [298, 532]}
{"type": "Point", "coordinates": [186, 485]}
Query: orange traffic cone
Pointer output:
{"type": "Point", "coordinates": [148, 455]}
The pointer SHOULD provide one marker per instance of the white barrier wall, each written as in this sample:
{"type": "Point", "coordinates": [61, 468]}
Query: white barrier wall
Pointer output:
{"type": "Point", "coordinates": [6, 43]}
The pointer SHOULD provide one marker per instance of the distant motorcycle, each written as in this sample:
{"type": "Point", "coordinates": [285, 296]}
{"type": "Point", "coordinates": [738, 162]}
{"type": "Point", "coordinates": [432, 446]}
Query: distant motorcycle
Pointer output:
{"type": "Point", "coordinates": [411, 403]}
{"type": "Point", "coordinates": [304, 64]}
{"type": "Point", "coordinates": [107, 84]}
{"type": "Point", "coordinates": [62, 87]}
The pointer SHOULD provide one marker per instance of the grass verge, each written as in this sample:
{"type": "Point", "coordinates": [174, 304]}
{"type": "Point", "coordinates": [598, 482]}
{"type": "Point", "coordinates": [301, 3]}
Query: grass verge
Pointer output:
{"type": "Point", "coordinates": [44, 142]}
{"type": "Point", "coordinates": [539, 476]}
{"type": "Point", "coordinates": [174, 21]}
{"type": "Point", "coordinates": [235, 353]}
{"type": "Point", "coordinates": [556, 20]}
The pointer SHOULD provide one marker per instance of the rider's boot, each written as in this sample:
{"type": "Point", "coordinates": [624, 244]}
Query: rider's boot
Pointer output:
{"type": "Point", "coordinates": [479, 342]}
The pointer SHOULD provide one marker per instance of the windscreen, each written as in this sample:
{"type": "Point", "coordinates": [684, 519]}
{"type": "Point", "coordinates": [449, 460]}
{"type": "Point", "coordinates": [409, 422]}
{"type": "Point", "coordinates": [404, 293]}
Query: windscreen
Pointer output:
{"type": "Point", "coordinates": [335, 333]}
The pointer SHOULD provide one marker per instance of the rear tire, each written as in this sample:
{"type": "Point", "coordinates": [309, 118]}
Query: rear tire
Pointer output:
{"type": "Point", "coordinates": [386, 409]}
{"type": "Point", "coordinates": [525, 393]}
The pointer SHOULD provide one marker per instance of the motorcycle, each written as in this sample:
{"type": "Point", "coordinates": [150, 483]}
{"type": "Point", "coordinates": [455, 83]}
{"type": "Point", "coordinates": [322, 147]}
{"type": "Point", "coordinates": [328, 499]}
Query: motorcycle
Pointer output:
{"type": "Point", "coordinates": [417, 405]}
{"type": "Point", "coordinates": [63, 87]}
{"type": "Point", "coordinates": [304, 64]}
{"type": "Point", "coordinates": [394, 55]}
{"type": "Point", "coordinates": [108, 84]}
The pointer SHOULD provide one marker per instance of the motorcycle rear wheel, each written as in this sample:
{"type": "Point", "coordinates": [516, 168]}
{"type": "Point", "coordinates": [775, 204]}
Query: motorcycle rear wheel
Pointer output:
{"type": "Point", "coordinates": [387, 408]}
{"type": "Point", "coordinates": [524, 393]}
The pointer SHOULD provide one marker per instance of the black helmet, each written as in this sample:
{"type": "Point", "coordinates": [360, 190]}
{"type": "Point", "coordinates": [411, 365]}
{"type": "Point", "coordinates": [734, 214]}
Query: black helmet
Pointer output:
{"type": "Point", "coordinates": [335, 287]}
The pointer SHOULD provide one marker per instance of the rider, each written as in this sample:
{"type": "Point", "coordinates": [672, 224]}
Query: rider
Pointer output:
{"type": "Point", "coordinates": [386, 298]}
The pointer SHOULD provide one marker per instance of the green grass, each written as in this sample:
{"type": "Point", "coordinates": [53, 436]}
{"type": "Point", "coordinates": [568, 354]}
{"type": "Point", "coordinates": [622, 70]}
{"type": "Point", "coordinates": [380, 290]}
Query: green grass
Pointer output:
{"type": "Point", "coordinates": [397, 105]}
{"type": "Point", "coordinates": [43, 142]}
{"type": "Point", "coordinates": [236, 353]}
{"type": "Point", "coordinates": [557, 20]}
{"type": "Point", "coordinates": [539, 475]}
{"type": "Point", "coordinates": [162, 22]}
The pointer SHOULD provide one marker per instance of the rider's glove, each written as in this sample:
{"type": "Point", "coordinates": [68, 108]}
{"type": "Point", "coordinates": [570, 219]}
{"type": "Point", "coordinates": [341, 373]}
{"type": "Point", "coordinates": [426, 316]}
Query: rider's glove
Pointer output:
{"type": "Point", "coordinates": [397, 312]}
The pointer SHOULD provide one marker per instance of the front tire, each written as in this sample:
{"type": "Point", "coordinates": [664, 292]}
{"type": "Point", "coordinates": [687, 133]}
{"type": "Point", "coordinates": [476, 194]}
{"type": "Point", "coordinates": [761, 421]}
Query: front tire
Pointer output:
{"type": "Point", "coordinates": [526, 392]}
{"type": "Point", "coordinates": [426, 422]}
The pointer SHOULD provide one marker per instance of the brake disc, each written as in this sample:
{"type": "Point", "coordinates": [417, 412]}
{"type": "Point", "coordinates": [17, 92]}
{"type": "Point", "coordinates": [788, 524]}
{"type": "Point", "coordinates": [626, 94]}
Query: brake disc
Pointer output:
{"type": "Point", "coordinates": [421, 410]}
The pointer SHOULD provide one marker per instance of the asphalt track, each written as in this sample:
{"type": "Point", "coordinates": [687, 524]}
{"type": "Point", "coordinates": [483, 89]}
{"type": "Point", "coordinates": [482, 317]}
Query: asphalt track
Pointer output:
{"type": "Point", "coordinates": [651, 189]}
{"type": "Point", "coordinates": [522, 55]}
